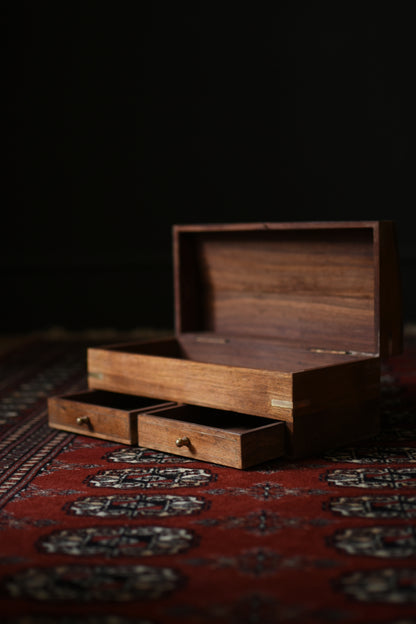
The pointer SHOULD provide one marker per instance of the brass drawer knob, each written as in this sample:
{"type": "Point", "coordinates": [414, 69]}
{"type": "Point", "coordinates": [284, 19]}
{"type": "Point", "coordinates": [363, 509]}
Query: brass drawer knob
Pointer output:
{"type": "Point", "coordinates": [183, 442]}
{"type": "Point", "coordinates": [83, 420]}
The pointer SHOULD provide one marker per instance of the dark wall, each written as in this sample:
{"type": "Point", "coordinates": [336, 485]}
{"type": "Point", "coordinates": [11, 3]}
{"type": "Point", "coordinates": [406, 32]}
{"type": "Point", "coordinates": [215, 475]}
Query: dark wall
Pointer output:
{"type": "Point", "coordinates": [124, 118]}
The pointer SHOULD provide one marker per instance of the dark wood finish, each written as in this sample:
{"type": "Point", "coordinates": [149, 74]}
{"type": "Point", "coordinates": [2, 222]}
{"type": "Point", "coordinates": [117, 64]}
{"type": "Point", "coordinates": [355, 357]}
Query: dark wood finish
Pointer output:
{"type": "Point", "coordinates": [332, 427]}
{"type": "Point", "coordinates": [245, 390]}
{"type": "Point", "coordinates": [319, 383]}
{"type": "Point", "coordinates": [338, 405]}
{"type": "Point", "coordinates": [204, 434]}
{"type": "Point", "coordinates": [311, 284]}
{"type": "Point", "coordinates": [99, 414]}
{"type": "Point", "coordinates": [286, 321]}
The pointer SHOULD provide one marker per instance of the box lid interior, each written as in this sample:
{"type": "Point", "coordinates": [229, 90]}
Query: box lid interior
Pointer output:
{"type": "Point", "coordinates": [331, 286]}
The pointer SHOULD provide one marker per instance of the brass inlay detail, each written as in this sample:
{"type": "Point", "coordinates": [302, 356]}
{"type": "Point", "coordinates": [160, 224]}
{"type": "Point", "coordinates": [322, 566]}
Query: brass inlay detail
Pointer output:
{"type": "Point", "coordinates": [282, 403]}
{"type": "Point", "coordinates": [96, 375]}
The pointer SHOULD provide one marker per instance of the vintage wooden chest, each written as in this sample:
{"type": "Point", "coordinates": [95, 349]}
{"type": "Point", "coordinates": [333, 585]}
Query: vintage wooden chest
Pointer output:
{"type": "Point", "coordinates": [283, 323]}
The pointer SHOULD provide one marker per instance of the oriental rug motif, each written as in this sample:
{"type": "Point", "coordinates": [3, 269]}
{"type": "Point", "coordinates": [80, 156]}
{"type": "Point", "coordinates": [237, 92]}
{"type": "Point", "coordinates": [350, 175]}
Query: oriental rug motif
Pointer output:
{"type": "Point", "coordinates": [92, 531]}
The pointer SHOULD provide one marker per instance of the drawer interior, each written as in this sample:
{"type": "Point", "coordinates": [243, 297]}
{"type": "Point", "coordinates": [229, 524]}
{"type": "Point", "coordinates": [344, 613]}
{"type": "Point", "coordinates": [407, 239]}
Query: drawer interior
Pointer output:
{"type": "Point", "coordinates": [222, 437]}
{"type": "Point", "coordinates": [215, 419]}
{"type": "Point", "coordinates": [112, 400]}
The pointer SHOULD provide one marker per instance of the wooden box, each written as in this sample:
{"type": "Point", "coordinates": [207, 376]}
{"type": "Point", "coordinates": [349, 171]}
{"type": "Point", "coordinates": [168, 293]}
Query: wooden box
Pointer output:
{"type": "Point", "coordinates": [283, 321]}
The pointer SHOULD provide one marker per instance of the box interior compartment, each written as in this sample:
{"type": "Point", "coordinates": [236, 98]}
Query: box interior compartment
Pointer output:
{"type": "Point", "coordinates": [238, 351]}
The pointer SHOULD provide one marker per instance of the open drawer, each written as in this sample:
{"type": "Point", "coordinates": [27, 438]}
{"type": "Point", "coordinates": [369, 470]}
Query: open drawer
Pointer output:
{"type": "Point", "coordinates": [281, 321]}
{"type": "Point", "coordinates": [100, 414]}
{"type": "Point", "coordinates": [207, 434]}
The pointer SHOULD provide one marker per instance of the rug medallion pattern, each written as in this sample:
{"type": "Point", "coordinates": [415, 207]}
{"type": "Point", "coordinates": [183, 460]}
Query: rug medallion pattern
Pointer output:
{"type": "Point", "coordinates": [92, 531]}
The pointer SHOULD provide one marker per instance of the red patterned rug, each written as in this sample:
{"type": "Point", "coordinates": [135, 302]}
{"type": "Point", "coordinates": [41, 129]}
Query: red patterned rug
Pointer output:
{"type": "Point", "coordinates": [94, 532]}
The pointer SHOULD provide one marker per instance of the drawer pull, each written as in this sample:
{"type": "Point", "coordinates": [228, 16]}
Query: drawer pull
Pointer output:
{"type": "Point", "coordinates": [183, 442]}
{"type": "Point", "coordinates": [83, 420]}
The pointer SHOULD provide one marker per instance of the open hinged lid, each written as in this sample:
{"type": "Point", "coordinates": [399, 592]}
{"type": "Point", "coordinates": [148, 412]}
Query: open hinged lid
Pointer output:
{"type": "Point", "coordinates": [321, 285]}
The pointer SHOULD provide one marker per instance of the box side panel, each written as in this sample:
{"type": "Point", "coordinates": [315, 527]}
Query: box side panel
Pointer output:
{"type": "Point", "coordinates": [342, 407]}
{"type": "Point", "coordinates": [188, 305]}
{"type": "Point", "coordinates": [248, 391]}
{"type": "Point", "coordinates": [334, 386]}
{"type": "Point", "coordinates": [263, 444]}
{"type": "Point", "coordinates": [332, 427]}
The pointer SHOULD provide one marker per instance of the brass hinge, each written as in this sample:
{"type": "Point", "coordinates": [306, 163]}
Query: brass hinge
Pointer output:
{"type": "Point", "coordinates": [339, 352]}
{"type": "Point", "coordinates": [213, 339]}
{"type": "Point", "coordinates": [332, 351]}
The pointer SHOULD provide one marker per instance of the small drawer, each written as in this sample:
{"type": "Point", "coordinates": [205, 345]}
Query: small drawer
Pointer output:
{"type": "Point", "coordinates": [100, 414]}
{"type": "Point", "coordinates": [206, 434]}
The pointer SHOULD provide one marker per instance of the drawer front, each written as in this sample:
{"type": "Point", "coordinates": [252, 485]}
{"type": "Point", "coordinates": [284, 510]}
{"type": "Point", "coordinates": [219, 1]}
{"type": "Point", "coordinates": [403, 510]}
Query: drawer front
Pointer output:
{"type": "Point", "coordinates": [237, 447]}
{"type": "Point", "coordinates": [99, 414]}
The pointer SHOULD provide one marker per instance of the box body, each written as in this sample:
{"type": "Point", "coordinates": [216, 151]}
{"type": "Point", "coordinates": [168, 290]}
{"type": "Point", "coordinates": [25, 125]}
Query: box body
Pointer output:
{"type": "Point", "coordinates": [279, 333]}
{"type": "Point", "coordinates": [319, 394]}
{"type": "Point", "coordinates": [282, 321]}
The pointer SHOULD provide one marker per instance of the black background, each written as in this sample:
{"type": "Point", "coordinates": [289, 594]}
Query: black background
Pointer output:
{"type": "Point", "coordinates": [123, 118]}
